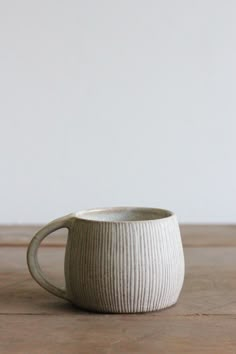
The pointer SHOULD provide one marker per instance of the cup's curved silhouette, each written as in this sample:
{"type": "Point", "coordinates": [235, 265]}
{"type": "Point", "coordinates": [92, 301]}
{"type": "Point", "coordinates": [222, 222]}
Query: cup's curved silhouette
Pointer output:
{"type": "Point", "coordinates": [118, 260]}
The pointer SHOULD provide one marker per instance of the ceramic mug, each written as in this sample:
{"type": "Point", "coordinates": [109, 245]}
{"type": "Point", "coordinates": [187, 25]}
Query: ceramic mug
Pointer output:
{"type": "Point", "coordinates": [118, 260]}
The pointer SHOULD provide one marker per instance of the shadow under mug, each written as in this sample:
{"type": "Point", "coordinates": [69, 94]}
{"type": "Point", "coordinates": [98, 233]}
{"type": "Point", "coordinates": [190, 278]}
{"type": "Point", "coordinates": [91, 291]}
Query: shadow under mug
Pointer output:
{"type": "Point", "coordinates": [117, 260]}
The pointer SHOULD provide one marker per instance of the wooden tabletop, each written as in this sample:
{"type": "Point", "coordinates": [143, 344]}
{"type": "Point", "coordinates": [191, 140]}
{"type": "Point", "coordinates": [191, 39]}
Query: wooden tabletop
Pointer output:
{"type": "Point", "coordinates": [33, 321]}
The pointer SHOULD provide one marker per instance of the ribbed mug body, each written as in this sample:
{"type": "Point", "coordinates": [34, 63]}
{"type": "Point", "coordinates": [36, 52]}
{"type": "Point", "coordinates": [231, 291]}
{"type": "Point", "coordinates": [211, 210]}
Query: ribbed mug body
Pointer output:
{"type": "Point", "coordinates": [124, 267]}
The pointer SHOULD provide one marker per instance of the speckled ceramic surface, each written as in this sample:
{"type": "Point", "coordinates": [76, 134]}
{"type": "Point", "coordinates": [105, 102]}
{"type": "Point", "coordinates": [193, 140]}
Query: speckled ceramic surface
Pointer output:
{"type": "Point", "coordinates": [119, 260]}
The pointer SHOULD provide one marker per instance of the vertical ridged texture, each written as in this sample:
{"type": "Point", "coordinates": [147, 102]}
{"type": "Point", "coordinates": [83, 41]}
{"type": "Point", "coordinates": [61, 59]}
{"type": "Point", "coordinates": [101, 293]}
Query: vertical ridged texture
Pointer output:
{"type": "Point", "coordinates": [124, 266]}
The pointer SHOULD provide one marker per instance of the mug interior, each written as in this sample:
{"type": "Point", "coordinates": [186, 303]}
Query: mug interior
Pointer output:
{"type": "Point", "coordinates": [123, 214]}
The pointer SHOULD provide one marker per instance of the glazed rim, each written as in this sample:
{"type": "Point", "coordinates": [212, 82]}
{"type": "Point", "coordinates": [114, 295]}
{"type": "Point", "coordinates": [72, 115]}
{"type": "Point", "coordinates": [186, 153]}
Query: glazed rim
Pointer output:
{"type": "Point", "coordinates": [124, 214]}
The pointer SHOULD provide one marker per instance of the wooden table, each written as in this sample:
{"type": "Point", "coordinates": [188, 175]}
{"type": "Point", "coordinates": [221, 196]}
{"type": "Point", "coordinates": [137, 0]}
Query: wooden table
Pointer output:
{"type": "Point", "coordinates": [204, 321]}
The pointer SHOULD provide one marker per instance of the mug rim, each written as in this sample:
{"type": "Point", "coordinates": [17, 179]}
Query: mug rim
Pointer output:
{"type": "Point", "coordinates": [166, 214]}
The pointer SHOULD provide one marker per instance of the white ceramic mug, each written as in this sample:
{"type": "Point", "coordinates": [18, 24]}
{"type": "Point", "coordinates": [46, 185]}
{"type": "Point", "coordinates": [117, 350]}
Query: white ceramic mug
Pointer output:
{"type": "Point", "coordinates": [121, 260]}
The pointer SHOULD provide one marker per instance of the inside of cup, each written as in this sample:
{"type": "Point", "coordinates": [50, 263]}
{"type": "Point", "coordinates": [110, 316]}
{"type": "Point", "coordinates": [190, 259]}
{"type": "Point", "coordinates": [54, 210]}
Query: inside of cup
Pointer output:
{"type": "Point", "coordinates": [124, 214]}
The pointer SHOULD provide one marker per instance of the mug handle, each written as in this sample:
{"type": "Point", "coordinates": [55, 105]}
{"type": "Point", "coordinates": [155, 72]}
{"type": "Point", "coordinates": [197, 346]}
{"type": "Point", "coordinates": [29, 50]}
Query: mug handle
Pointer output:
{"type": "Point", "coordinates": [32, 254]}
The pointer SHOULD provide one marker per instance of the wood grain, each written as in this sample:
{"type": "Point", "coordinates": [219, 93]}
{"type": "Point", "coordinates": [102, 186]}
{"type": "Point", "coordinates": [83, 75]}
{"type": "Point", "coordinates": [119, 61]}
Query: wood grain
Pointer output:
{"type": "Point", "coordinates": [203, 321]}
{"type": "Point", "coordinates": [112, 334]}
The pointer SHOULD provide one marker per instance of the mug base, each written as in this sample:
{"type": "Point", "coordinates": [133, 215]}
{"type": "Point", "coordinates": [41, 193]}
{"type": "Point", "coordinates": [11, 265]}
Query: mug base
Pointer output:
{"type": "Point", "coordinates": [112, 312]}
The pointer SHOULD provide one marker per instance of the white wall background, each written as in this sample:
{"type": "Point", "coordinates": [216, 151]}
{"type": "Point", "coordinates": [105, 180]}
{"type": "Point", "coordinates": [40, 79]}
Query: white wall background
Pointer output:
{"type": "Point", "coordinates": [123, 102]}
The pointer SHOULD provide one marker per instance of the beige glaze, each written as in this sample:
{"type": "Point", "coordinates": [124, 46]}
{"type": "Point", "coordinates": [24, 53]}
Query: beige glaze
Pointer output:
{"type": "Point", "coordinates": [119, 260]}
